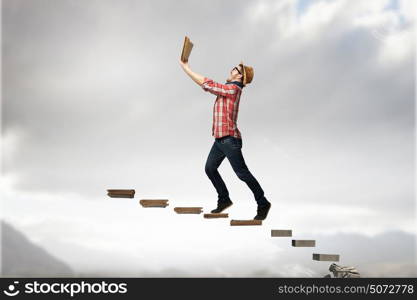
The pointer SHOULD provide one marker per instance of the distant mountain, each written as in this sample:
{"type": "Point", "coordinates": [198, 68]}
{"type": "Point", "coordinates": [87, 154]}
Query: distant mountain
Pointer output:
{"type": "Point", "coordinates": [21, 257]}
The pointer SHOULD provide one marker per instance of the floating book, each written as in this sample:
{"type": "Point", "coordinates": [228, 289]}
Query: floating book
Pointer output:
{"type": "Point", "coordinates": [188, 210]}
{"type": "Point", "coordinates": [281, 232]}
{"type": "Point", "coordinates": [154, 202]}
{"type": "Point", "coordinates": [186, 49]}
{"type": "Point", "coordinates": [216, 215]}
{"type": "Point", "coordinates": [121, 193]}
{"type": "Point", "coordinates": [326, 257]}
{"type": "Point", "coordinates": [245, 222]}
{"type": "Point", "coordinates": [303, 243]}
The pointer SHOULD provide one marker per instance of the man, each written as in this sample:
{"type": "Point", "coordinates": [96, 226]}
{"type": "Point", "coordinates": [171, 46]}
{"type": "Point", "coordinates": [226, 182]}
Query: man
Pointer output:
{"type": "Point", "coordinates": [228, 140]}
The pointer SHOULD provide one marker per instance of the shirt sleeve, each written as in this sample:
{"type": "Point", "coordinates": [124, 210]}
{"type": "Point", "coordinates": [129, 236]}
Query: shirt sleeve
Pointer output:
{"type": "Point", "coordinates": [218, 89]}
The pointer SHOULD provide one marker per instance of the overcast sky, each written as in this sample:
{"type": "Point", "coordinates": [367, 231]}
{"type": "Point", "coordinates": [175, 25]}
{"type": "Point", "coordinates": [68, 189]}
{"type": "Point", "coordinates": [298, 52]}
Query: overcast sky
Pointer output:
{"type": "Point", "coordinates": [94, 98]}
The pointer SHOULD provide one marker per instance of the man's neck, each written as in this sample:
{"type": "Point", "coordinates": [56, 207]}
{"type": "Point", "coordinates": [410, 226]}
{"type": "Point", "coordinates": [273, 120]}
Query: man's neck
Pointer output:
{"type": "Point", "coordinates": [238, 83]}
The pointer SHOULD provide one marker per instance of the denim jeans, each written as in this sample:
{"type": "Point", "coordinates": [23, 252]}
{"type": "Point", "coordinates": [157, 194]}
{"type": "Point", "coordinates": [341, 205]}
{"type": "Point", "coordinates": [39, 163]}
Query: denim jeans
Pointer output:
{"type": "Point", "coordinates": [231, 147]}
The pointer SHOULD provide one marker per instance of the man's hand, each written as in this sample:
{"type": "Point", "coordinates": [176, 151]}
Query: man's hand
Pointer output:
{"type": "Point", "coordinates": [197, 78]}
{"type": "Point", "coordinates": [184, 65]}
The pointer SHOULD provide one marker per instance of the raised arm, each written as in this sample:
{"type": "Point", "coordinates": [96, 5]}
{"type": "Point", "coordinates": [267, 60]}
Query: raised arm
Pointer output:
{"type": "Point", "coordinates": [199, 79]}
{"type": "Point", "coordinates": [209, 85]}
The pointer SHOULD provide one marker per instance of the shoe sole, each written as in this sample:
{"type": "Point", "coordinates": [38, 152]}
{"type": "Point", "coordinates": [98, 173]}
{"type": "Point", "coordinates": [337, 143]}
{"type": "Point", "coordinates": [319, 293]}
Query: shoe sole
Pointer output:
{"type": "Point", "coordinates": [222, 209]}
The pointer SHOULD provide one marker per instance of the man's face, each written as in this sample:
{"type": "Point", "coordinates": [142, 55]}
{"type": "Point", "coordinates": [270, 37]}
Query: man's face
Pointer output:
{"type": "Point", "coordinates": [235, 74]}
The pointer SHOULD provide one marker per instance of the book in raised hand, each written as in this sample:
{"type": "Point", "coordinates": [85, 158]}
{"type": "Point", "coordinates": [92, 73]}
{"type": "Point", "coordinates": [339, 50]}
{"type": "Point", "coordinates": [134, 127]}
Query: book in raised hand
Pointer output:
{"type": "Point", "coordinates": [186, 49]}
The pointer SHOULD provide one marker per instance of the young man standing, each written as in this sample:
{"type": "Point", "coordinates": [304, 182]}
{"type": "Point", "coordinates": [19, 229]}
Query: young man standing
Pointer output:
{"type": "Point", "coordinates": [228, 140]}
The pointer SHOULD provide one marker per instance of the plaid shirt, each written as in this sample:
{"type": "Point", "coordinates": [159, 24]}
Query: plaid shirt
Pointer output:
{"type": "Point", "coordinates": [225, 108]}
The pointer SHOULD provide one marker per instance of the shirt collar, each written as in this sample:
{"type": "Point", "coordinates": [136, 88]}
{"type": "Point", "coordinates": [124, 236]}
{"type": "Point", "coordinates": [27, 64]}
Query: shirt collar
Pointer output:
{"type": "Point", "coordinates": [238, 83]}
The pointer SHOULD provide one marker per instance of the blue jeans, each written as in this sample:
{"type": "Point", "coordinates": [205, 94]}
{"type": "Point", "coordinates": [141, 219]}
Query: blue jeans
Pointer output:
{"type": "Point", "coordinates": [231, 147]}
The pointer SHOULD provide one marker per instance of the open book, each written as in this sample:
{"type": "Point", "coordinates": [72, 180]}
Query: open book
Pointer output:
{"type": "Point", "coordinates": [186, 49]}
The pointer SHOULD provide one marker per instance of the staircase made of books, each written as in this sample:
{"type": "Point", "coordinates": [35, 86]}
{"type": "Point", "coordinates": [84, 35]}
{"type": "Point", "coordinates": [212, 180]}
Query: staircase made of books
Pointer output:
{"type": "Point", "coordinates": [281, 233]}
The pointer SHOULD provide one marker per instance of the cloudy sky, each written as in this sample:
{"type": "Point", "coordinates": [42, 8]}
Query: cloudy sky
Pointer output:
{"type": "Point", "coordinates": [93, 98]}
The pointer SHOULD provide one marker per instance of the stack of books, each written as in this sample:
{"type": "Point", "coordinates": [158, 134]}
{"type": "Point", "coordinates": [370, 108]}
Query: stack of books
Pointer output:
{"type": "Point", "coordinates": [245, 222]}
{"type": "Point", "coordinates": [188, 210]}
{"type": "Point", "coordinates": [154, 202]}
{"type": "Point", "coordinates": [216, 215]}
{"type": "Point", "coordinates": [121, 193]}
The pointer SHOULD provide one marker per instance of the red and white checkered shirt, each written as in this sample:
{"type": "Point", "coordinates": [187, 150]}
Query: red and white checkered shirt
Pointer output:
{"type": "Point", "coordinates": [226, 107]}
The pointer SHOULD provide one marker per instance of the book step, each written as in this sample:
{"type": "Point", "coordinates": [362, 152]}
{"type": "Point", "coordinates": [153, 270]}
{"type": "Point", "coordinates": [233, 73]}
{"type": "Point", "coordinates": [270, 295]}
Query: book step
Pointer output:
{"type": "Point", "coordinates": [245, 222]}
{"type": "Point", "coordinates": [216, 215]}
{"type": "Point", "coordinates": [281, 232]}
{"type": "Point", "coordinates": [303, 243]}
{"type": "Point", "coordinates": [188, 210]}
{"type": "Point", "coordinates": [154, 202]}
{"type": "Point", "coordinates": [121, 193]}
{"type": "Point", "coordinates": [326, 257]}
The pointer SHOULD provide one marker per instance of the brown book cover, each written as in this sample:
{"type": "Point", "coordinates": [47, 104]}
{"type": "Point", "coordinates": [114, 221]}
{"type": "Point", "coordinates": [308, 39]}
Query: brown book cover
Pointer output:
{"type": "Point", "coordinates": [154, 205]}
{"type": "Point", "coordinates": [215, 215]}
{"type": "Point", "coordinates": [186, 49]}
{"type": "Point", "coordinates": [120, 195]}
{"type": "Point", "coordinates": [118, 192]}
{"type": "Point", "coordinates": [245, 222]}
{"type": "Point", "coordinates": [188, 210]}
{"type": "Point", "coordinates": [154, 202]}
